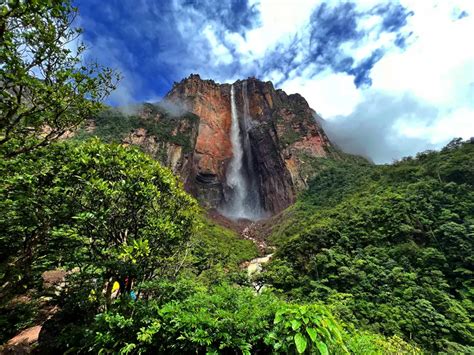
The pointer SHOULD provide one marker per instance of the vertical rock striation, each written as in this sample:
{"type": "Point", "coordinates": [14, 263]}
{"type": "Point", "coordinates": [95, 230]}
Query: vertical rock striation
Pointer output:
{"type": "Point", "coordinates": [277, 132]}
{"type": "Point", "coordinates": [213, 149]}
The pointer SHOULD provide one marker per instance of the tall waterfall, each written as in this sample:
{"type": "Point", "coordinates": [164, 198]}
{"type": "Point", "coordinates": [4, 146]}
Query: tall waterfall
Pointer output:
{"type": "Point", "coordinates": [244, 201]}
{"type": "Point", "coordinates": [235, 177]}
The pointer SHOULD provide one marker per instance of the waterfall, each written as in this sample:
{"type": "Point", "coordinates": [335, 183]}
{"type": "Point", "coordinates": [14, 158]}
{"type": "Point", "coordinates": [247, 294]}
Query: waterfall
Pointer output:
{"type": "Point", "coordinates": [244, 201]}
{"type": "Point", "coordinates": [235, 178]}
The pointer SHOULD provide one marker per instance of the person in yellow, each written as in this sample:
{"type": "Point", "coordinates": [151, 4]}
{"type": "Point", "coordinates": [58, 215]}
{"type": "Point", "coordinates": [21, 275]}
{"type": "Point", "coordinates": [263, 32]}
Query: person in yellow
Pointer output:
{"type": "Point", "coordinates": [115, 290]}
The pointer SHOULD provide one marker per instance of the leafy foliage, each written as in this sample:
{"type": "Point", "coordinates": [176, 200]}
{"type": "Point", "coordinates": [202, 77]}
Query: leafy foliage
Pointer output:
{"type": "Point", "coordinates": [46, 88]}
{"type": "Point", "coordinates": [395, 242]}
{"type": "Point", "coordinates": [307, 328]}
{"type": "Point", "coordinates": [361, 342]}
{"type": "Point", "coordinates": [107, 211]}
{"type": "Point", "coordinates": [222, 318]}
{"type": "Point", "coordinates": [214, 246]}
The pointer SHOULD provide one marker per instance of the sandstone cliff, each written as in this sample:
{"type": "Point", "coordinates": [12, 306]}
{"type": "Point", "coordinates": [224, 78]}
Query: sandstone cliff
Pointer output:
{"type": "Point", "coordinates": [190, 133]}
{"type": "Point", "coordinates": [282, 133]}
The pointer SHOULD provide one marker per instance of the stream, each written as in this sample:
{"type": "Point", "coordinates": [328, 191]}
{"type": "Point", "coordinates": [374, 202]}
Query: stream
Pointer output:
{"type": "Point", "coordinates": [255, 267]}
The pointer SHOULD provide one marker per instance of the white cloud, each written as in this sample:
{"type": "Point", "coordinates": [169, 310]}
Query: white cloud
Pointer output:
{"type": "Point", "coordinates": [376, 127]}
{"type": "Point", "coordinates": [279, 19]}
{"type": "Point", "coordinates": [436, 70]}
{"type": "Point", "coordinates": [459, 123]}
{"type": "Point", "coordinates": [274, 76]}
{"type": "Point", "coordinates": [438, 66]}
{"type": "Point", "coordinates": [330, 94]}
{"type": "Point", "coordinates": [221, 54]}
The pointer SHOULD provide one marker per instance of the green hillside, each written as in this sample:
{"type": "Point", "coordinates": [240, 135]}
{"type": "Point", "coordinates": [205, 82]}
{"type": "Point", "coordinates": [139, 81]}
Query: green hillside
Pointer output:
{"type": "Point", "coordinates": [389, 247]}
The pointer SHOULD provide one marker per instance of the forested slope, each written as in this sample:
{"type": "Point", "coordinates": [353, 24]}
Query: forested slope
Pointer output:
{"type": "Point", "coordinates": [389, 247]}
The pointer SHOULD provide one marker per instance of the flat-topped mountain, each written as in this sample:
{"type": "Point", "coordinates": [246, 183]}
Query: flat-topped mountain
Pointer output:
{"type": "Point", "coordinates": [242, 148]}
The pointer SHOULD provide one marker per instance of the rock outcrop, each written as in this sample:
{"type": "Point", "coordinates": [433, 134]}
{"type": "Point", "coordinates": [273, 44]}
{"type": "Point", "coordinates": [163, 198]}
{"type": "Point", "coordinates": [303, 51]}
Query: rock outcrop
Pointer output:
{"type": "Point", "coordinates": [190, 132]}
{"type": "Point", "coordinates": [213, 150]}
{"type": "Point", "coordinates": [169, 136]}
{"type": "Point", "coordinates": [283, 130]}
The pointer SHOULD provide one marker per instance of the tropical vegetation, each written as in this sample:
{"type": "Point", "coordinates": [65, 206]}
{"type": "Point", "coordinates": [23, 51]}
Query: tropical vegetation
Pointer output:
{"type": "Point", "coordinates": [370, 260]}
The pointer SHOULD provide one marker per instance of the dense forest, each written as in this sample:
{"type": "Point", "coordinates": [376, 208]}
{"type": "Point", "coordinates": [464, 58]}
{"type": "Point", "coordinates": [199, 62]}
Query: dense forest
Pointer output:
{"type": "Point", "coordinates": [390, 247]}
{"type": "Point", "coordinates": [369, 260]}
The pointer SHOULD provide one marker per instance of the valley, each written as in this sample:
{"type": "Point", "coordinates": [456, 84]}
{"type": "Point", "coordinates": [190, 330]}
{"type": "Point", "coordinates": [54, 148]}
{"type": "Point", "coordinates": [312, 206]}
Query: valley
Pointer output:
{"type": "Point", "coordinates": [295, 220]}
{"type": "Point", "coordinates": [221, 213]}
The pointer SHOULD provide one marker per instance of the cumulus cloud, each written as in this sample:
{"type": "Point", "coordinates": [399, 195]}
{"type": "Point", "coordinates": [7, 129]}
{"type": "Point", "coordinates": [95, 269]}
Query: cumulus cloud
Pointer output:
{"type": "Point", "coordinates": [390, 77]}
{"type": "Point", "coordinates": [428, 85]}
{"type": "Point", "coordinates": [330, 94]}
{"type": "Point", "coordinates": [372, 129]}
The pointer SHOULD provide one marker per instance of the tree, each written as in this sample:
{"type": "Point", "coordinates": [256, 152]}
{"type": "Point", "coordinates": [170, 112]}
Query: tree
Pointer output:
{"type": "Point", "coordinates": [46, 86]}
{"type": "Point", "coordinates": [106, 210]}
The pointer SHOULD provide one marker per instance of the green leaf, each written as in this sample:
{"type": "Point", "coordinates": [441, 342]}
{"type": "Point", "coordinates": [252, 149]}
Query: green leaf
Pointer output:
{"type": "Point", "coordinates": [322, 347]}
{"type": "Point", "coordinates": [295, 324]}
{"type": "Point", "coordinates": [325, 333]}
{"type": "Point", "coordinates": [278, 317]}
{"type": "Point", "coordinates": [312, 333]}
{"type": "Point", "coordinates": [127, 348]}
{"type": "Point", "coordinates": [300, 342]}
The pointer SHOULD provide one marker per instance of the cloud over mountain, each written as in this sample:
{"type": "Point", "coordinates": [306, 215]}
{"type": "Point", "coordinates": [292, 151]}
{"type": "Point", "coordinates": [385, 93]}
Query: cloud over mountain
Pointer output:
{"type": "Point", "coordinates": [350, 59]}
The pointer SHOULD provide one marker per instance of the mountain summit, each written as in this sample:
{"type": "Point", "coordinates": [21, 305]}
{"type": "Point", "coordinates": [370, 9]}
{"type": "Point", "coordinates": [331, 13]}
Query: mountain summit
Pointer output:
{"type": "Point", "coordinates": [277, 133]}
{"type": "Point", "coordinates": [245, 149]}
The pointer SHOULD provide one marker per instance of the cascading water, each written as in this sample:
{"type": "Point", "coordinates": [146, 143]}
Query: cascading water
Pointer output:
{"type": "Point", "coordinates": [244, 201]}
{"type": "Point", "coordinates": [235, 178]}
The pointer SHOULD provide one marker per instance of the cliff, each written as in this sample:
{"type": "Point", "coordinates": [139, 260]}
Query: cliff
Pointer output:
{"type": "Point", "coordinates": [190, 131]}
{"type": "Point", "coordinates": [282, 133]}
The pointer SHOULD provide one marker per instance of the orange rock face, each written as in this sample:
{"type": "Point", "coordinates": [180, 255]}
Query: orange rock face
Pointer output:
{"type": "Point", "coordinates": [282, 130]}
{"type": "Point", "coordinates": [211, 102]}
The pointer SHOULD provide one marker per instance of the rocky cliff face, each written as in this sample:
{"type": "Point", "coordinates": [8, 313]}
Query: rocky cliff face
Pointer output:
{"type": "Point", "coordinates": [191, 132]}
{"type": "Point", "coordinates": [212, 150]}
{"type": "Point", "coordinates": [281, 132]}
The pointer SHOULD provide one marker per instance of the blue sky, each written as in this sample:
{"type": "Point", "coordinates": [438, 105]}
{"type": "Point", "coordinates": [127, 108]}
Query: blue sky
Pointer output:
{"type": "Point", "coordinates": [390, 77]}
